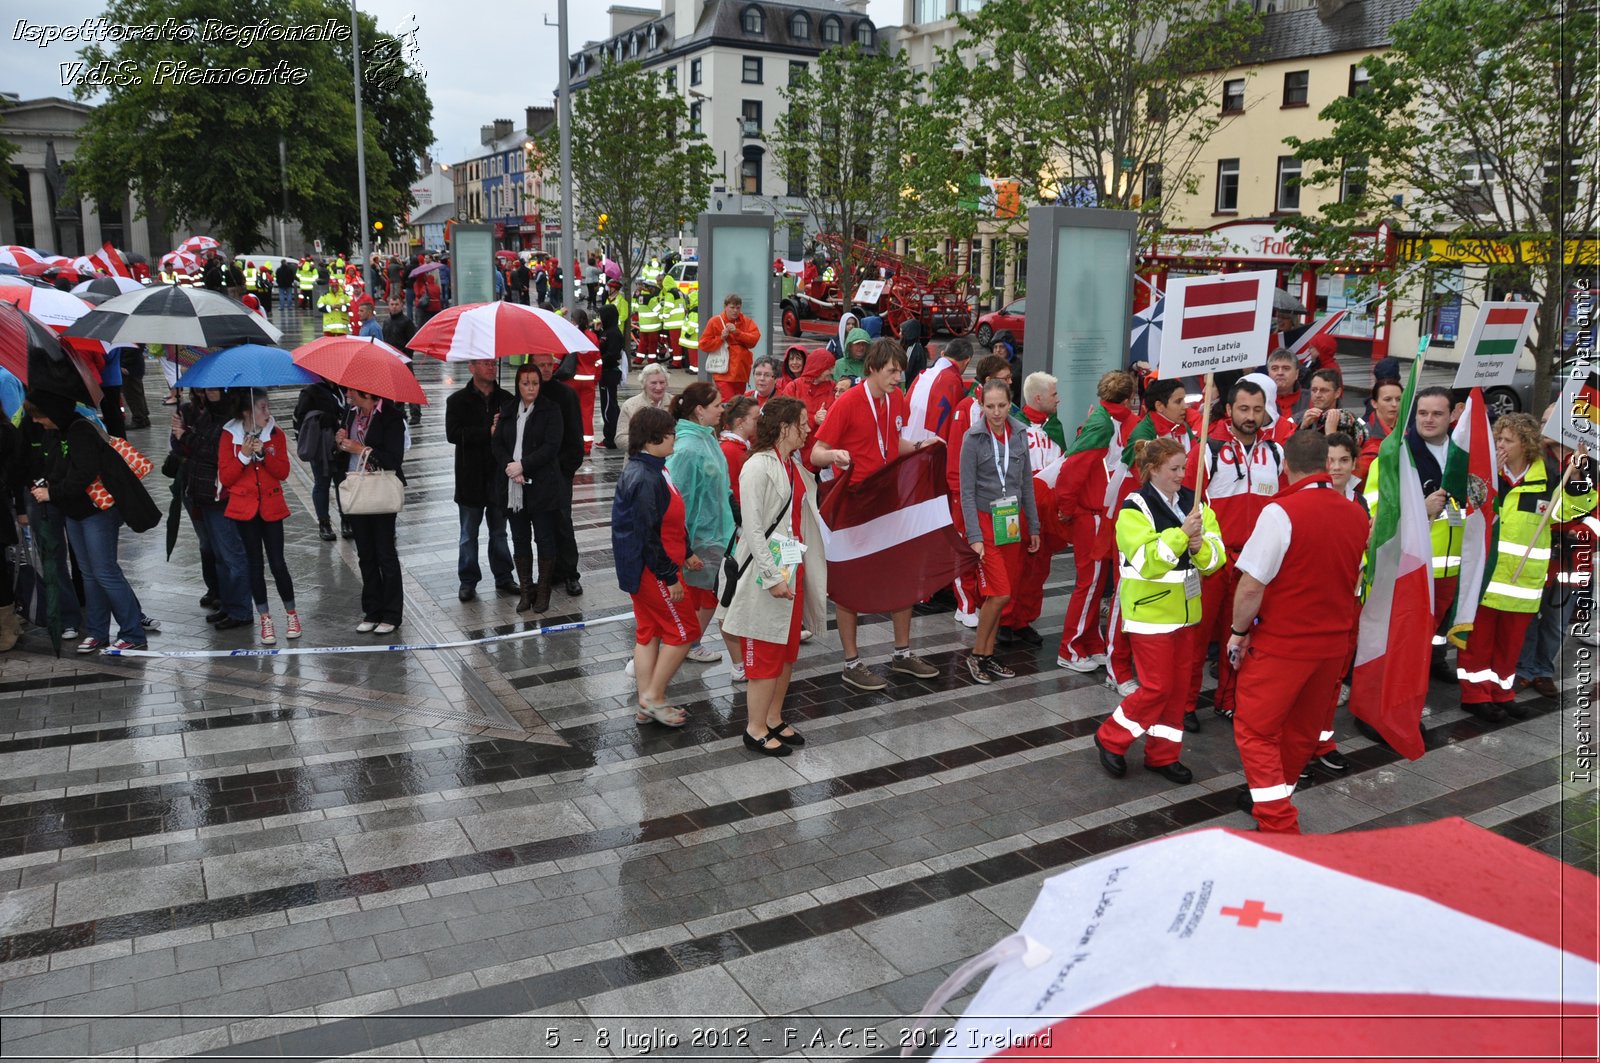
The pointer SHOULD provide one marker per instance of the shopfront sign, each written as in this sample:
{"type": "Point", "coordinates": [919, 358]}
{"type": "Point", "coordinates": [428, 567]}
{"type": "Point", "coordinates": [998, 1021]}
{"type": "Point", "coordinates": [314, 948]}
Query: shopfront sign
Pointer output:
{"type": "Point", "coordinates": [1256, 241]}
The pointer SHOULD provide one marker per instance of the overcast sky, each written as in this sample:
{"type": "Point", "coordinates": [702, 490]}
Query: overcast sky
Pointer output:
{"type": "Point", "coordinates": [483, 61]}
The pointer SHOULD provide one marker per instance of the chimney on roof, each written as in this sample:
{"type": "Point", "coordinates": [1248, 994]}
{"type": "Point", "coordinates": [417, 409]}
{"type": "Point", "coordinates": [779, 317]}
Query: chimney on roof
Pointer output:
{"type": "Point", "coordinates": [1326, 9]}
{"type": "Point", "coordinates": [503, 128]}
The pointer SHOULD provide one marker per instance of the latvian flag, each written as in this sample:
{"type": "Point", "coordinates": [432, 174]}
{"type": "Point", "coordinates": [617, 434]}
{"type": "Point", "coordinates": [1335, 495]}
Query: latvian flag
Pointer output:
{"type": "Point", "coordinates": [1394, 640]}
{"type": "Point", "coordinates": [1298, 341]}
{"type": "Point", "coordinates": [1503, 329]}
{"type": "Point", "coordinates": [889, 539]}
{"type": "Point", "coordinates": [1220, 308]}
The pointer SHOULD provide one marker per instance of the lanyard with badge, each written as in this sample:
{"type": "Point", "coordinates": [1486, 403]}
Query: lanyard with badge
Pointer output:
{"type": "Point", "coordinates": [877, 430]}
{"type": "Point", "coordinates": [1004, 514]}
{"type": "Point", "coordinates": [787, 550]}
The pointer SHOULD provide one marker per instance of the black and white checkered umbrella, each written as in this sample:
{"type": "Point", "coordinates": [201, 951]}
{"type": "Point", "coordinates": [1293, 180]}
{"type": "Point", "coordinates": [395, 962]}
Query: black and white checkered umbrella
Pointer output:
{"type": "Point", "coordinates": [175, 314]}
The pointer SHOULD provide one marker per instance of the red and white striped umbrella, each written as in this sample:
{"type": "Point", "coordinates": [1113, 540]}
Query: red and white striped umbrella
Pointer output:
{"type": "Point", "coordinates": [18, 256]}
{"type": "Point", "coordinates": [52, 306]}
{"type": "Point", "coordinates": [363, 364]}
{"type": "Point", "coordinates": [497, 330]}
{"type": "Point", "coordinates": [198, 244]}
{"type": "Point", "coordinates": [179, 262]}
{"type": "Point", "coordinates": [1436, 941]}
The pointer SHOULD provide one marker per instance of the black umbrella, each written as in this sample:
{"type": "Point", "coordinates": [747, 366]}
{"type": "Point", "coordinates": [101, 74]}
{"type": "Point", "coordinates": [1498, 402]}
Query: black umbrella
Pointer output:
{"type": "Point", "coordinates": [175, 314]}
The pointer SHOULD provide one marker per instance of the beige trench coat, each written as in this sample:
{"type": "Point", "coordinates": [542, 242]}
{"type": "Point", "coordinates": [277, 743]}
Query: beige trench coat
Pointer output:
{"type": "Point", "coordinates": [755, 614]}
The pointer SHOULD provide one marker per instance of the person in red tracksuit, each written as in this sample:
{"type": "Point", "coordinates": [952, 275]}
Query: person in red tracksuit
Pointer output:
{"type": "Point", "coordinates": [1243, 473]}
{"type": "Point", "coordinates": [1081, 498]}
{"type": "Point", "coordinates": [586, 378]}
{"type": "Point", "coordinates": [1290, 629]}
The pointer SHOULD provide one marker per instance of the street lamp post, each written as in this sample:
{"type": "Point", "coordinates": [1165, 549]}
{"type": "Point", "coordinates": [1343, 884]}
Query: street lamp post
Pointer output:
{"type": "Point", "coordinates": [361, 151]}
{"type": "Point", "coordinates": [569, 290]}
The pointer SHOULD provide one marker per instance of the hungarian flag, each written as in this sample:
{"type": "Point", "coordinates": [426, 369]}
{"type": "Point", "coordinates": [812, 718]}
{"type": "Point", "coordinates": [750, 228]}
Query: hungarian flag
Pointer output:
{"type": "Point", "coordinates": [1299, 342]}
{"type": "Point", "coordinates": [1395, 638]}
{"type": "Point", "coordinates": [1470, 473]}
{"type": "Point", "coordinates": [889, 538]}
{"type": "Point", "coordinates": [110, 260]}
{"type": "Point", "coordinates": [1503, 329]}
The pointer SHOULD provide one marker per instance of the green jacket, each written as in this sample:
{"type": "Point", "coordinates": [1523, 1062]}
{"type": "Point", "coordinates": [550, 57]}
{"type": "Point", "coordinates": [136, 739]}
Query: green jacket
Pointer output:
{"type": "Point", "coordinates": [1153, 562]}
{"type": "Point", "coordinates": [1518, 513]}
{"type": "Point", "coordinates": [699, 471]}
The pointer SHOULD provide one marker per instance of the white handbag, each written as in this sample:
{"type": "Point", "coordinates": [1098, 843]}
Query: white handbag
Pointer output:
{"type": "Point", "coordinates": [371, 492]}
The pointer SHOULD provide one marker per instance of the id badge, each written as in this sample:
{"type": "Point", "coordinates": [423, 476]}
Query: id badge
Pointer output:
{"type": "Point", "coordinates": [1007, 520]}
{"type": "Point", "coordinates": [1191, 583]}
{"type": "Point", "coordinates": [790, 551]}
{"type": "Point", "coordinates": [1453, 515]}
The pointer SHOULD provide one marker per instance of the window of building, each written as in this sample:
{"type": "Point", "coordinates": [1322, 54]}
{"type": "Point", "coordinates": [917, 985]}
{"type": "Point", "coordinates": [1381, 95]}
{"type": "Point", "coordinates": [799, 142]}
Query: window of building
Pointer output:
{"type": "Point", "coordinates": [1227, 186]}
{"type": "Point", "coordinates": [754, 20]}
{"type": "Point", "coordinates": [750, 171]}
{"type": "Point", "coordinates": [832, 30]}
{"type": "Point", "coordinates": [655, 37]}
{"type": "Point", "coordinates": [1155, 104]}
{"type": "Point", "coordinates": [694, 71]}
{"type": "Point", "coordinates": [796, 68]}
{"type": "Point", "coordinates": [1353, 180]}
{"type": "Point", "coordinates": [1152, 182]}
{"type": "Point", "coordinates": [1559, 192]}
{"type": "Point", "coordinates": [969, 6]}
{"type": "Point", "coordinates": [633, 46]}
{"type": "Point", "coordinates": [865, 34]}
{"type": "Point", "coordinates": [619, 50]}
{"type": "Point", "coordinates": [583, 63]}
{"type": "Point", "coordinates": [1443, 311]}
{"type": "Point", "coordinates": [1477, 174]}
{"type": "Point", "coordinates": [1288, 183]}
{"type": "Point", "coordinates": [1296, 88]}
{"type": "Point", "coordinates": [750, 116]}
{"type": "Point", "coordinates": [672, 79]}
{"type": "Point", "coordinates": [800, 26]}
{"type": "Point", "coordinates": [1359, 81]}
{"type": "Point", "coordinates": [930, 11]}
{"type": "Point", "coordinates": [1233, 96]}
{"type": "Point", "coordinates": [752, 70]}
{"type": "Point", "coordinates": [694, 118]}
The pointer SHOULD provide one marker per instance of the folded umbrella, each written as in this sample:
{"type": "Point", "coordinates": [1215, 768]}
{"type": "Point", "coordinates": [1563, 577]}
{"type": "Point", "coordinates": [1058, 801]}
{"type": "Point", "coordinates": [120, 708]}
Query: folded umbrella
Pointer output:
{"type": "Point", "coordinates": [497, 330]}
{"type": "Point", "coordinates": [250, 365]}
{"type": "Point", "coordinates": [175, 314]}
{"type": "Point", "coordinates": [366, 365]}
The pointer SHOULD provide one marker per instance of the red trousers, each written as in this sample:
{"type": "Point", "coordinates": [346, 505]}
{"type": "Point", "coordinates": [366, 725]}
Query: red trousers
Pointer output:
{"type": "Point", "coordinates": [1325, 742]}
{"type": "Point", "coordinates": [1444, 597]}
{"type": "Point", "coordinates": [1487, 667]}
{"type": "Point", "coordinates": [585, 390]}
{"type": "Point", "coordinates": [1119, 647]}
{"type": "Point", "coordinates": [1080, 634]}
{"type": "Point", "coordinates": [669, 342]}
{"type": "Point", "coordinates": [1156, 709]}
{"type": "Point", "coordinates": [1282, 705]}
{"type": "Point", "coordinates": [1027, 598]}
{"type": "Point", "coordinates": [649, 342]}
{"type": "Point", "coordinates": [1216, 625]}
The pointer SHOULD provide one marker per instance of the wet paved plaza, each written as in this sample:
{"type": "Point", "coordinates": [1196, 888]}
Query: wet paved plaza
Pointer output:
{"type": "Point", "coordinates": [477, 853]}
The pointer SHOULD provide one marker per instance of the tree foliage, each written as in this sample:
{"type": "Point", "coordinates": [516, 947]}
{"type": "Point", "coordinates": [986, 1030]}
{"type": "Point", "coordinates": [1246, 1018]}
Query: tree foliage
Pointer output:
{"type": "Point", "coordinates": [635, 163]}
{"type": "Point", "coordinates": [209, 152]}
{"type": "Point", "coordinates": [1480, 126]}
{"type": "Point", "coordinates": [1075, 100]}
{"type": "Point", "coordinates": [841, 143]}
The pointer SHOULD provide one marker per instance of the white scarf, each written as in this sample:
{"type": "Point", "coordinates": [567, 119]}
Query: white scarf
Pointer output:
{"type": "Point", "coordinates": [514, 495]}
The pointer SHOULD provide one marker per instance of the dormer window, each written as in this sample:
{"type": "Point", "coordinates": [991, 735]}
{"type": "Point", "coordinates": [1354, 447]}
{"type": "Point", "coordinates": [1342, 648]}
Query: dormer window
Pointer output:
{"type": "Point", "coordinates": [865, 34]}
{"type": "Point", "coordinates": [633, 46]}
{"type": "Point", "coordinates": [754, 20]}
{"type": "Point", "coordinates": [800, 26]}
{"type": "Point", "coordinates": [832, 30]}
{"type": "Point", "coordinates": [619, 50]}
{"type": "Point", "coordinates": [655, 37]}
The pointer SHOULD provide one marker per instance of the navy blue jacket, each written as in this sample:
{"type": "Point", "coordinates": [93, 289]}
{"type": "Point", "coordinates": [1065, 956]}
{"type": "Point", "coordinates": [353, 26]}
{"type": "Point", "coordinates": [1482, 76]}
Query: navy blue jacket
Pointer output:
{"type": "Point", "coordinates": [636, 511]}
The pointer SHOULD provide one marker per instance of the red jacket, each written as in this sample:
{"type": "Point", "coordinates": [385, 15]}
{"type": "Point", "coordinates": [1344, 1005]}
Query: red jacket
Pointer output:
{"type": "Point", "coordinates": [255, 488]}
{"type": "Point", "coordinates": [736, 449]}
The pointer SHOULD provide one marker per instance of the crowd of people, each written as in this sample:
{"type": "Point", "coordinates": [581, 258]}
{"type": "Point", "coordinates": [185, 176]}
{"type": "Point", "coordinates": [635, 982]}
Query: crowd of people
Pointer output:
{"type": "Point", "coordinates": [1242, 549]}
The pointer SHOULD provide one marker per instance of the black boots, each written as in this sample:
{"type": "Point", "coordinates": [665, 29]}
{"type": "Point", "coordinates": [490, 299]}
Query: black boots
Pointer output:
{"type": "Point", "coordinates": [541, 593]}
{"type": "Point", "coordinates": [524, 563]}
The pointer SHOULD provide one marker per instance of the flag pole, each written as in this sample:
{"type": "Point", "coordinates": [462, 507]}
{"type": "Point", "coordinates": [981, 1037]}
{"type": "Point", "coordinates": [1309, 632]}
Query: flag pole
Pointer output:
{"type": "Point", "coordinates": [1544, 521]}
{"type": "Point", "coordinates": [1205, 434]}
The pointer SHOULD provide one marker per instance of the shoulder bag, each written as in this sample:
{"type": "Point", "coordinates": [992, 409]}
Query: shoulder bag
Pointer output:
{"type": "Point", "coordinates": [731, 572]}
{"type": "Point", "coordinates": [368, 492]}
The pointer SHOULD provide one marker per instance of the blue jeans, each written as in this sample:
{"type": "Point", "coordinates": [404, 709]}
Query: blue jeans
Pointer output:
{"type": "Point", "coordinates": [499, 551]}
{"type": "Point", "coordinates": [94, 540]}
{"type": "Point", "coordinates": [285, 298]}
{"type": "Point", "coordinates": [1543, 640]}
{"type": "Point", "coordinates": [233, 569]}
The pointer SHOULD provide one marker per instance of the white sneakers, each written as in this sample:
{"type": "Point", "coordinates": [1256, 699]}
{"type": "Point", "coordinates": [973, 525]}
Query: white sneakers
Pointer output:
{"type": "Point", "coordinates": [628, 669]}
{"type": "Point", "coordinates": [701, 655]}
{"type": "Point", "coordinates": [1124, 688]}
{"type": "Point", "coordinates": [966, 619]}
{"type": "Point", "coordinates": [1081, 664]}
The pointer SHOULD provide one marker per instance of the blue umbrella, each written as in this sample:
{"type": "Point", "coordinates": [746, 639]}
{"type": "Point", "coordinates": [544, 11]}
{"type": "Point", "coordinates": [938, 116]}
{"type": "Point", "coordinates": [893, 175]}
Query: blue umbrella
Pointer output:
{"type": "Point", "coordinates": [252, 365]}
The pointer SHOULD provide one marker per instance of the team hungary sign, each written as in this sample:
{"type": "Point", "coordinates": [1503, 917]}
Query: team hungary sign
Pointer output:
{"type": "Point", "coordinates": [1492, 352]}
{"type": "Point", "coordinates": [1218, 322]}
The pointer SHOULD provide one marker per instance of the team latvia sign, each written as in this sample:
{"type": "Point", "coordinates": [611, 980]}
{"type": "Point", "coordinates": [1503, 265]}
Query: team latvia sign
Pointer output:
{"type": "Point", "coordinates": [1495, 346]}
{"type": "Point", "coordinates": [1217, 322]}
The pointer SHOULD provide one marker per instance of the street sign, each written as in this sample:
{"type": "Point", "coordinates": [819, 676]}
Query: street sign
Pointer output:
{"type": "Point", "coordinates": [1577, 414]}
{"type": "Point", "coordinates": [1216, 322]}
{"type": "Point", "coordinates": [317, 246]}
{"type": "Point", "coordinates": [1495, 346]}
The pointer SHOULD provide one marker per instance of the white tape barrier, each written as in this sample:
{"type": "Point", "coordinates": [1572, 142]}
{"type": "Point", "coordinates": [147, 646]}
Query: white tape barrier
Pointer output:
{"type": "Point", "coordinates": [407, 647]}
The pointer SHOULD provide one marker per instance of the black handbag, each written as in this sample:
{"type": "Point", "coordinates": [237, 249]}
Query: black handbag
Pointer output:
{"type": "Point", "coordinates": [730, 571]}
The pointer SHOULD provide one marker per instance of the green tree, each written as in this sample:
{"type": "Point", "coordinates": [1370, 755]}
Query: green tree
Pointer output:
{"type": "Point", "coordinates": [638, 172]}
{"type": "Point", "coordinates": [841, 143]}
{"type": "Point", "coordinates": [208, 152]}
{"type": "Point", "coordinates": [1078, 101]}
{"type": "Point", "coordinates": [1478, 126]}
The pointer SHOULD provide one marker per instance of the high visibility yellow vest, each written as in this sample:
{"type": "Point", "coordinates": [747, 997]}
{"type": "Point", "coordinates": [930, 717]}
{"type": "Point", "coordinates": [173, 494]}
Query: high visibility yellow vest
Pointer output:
{"type": "Point", "coordinates": [335, 309]}
{"type": "Point", "coordinates": [1152, 568]}
{"type": "Point", "coordinates": [689, 337]}
{"type": "Point", "coordinates": [650, 315]}
{"type": "Point", "coordinates": [1519, 511]}
{"type": "Point", "coordinates": [671, 314]}
{"type": "Point", "coordinates": [306, 276]}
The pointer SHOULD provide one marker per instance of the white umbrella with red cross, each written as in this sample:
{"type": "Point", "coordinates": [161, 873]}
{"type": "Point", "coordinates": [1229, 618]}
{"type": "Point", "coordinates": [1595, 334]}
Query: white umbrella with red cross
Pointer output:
{"type": "Point", "coordinates": [1436, 941]}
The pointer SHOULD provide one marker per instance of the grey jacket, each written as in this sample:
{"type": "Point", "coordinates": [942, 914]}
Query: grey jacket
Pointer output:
{"type": "Point", "coordinates": [980, 480]}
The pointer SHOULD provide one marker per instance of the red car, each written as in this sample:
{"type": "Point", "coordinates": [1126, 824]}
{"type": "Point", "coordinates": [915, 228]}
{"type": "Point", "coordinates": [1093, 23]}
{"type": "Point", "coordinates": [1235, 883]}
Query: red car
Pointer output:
{"type": "Point", "coordinates": [1004, 323]}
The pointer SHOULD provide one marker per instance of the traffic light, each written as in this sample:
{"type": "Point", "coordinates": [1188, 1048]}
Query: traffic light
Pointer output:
{"type": "Point", "coordinates": [603, 219]}
{"type": "Point", "coordinates": [377, 226]}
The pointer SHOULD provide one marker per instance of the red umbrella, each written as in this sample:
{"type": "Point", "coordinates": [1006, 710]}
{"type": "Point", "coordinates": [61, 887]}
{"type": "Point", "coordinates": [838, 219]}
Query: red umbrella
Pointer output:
{"type": "Point", "coordinates": [497, 330]}
{"type": "Point", "coordinates": [199, 244]}
{"type": "Point", "coordinates": [1437, 941]}
{"type": "Point", "coordinates": [54, 307]}
{"type": "Point", "coordinates": [363, 364]}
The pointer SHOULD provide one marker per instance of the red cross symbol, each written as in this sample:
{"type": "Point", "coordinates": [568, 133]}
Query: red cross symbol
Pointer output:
{"type": "Point", "coordinates": [1253, 914]}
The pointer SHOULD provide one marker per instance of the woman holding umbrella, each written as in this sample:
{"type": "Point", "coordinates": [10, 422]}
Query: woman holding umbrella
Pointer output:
{"type": "Point", "coordinates": [374, 432]}
{"type": "Point", "coordinates": [252, 463]}
{"type": "Point", "coordinates": [527, 446]}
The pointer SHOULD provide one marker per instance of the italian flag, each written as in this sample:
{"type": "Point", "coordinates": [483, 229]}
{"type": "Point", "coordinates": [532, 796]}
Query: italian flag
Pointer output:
{"type": "Point", "coordinates": [1503, 329]}
{"type": "Point", "coordinates": [1471, 457]}
{"type": "Point", "coordinates": [1394, 639]}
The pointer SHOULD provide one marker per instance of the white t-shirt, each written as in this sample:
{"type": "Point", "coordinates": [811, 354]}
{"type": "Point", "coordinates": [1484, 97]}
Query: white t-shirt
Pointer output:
{"type": "Point", "coordinates": [1263, 552]}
